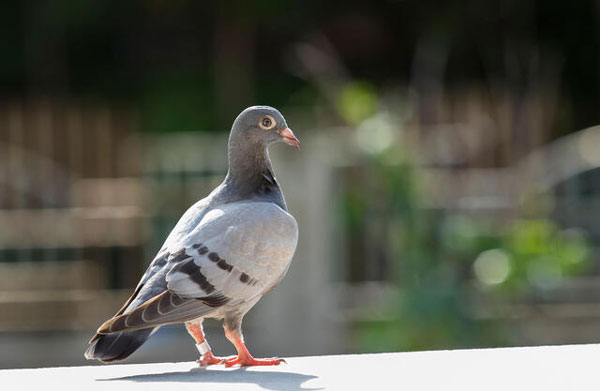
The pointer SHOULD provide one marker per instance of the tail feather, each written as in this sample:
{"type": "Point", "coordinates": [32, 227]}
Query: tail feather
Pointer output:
{"type": "Point", "coordinates": [162, 309]}
{"type": "Point", "coordinates": [117, 346]}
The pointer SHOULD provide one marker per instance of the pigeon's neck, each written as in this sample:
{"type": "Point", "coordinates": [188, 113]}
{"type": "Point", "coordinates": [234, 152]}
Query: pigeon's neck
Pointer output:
{"type": "Point", "coordinates": [250, 174]}
{"type": "Point", "coordinates": [247, 161]}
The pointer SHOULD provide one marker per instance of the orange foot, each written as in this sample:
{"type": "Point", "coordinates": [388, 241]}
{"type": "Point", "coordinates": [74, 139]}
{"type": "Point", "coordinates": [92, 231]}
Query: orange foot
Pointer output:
{"type": "Point", "coordinates": [210, 359]}
{"type": "Point", "coordinates": [249, 361]}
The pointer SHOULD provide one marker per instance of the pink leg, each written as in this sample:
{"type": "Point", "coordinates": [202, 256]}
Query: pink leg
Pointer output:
{"type": "Point", "coordinates": [195, 330]}
{"type": "Point", "coordinates": [244, 358]}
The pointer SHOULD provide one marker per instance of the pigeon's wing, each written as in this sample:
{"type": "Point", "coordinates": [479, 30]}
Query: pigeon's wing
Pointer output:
{"type": "Point", "coordinates": [238, 250]}
{"type": "Point", "coordinates": [153, 281]}
{"type": "Point", "coordinates": [234, 254]}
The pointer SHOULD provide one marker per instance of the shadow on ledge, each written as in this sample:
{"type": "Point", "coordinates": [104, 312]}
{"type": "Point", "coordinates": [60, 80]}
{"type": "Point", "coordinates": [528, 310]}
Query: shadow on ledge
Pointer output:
{"type": "Point", "coordinates": [284, 381]}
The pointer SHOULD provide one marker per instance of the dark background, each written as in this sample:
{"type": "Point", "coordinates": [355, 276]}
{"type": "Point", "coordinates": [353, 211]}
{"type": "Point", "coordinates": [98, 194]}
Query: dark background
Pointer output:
{"type": "Point", "coordinates": [189, 65]}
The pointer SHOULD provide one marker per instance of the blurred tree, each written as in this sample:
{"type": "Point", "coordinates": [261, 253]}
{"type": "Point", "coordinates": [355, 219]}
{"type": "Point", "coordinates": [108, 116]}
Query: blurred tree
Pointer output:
{"type": "Point", "coordinates": [445, 266]}
{"type": "Point", "coordinates": [189, 65]}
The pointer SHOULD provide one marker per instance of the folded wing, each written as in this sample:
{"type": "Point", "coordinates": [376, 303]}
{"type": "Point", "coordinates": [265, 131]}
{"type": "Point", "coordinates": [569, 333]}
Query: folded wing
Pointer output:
{"type": "Point", "coordinates": [235, 254]}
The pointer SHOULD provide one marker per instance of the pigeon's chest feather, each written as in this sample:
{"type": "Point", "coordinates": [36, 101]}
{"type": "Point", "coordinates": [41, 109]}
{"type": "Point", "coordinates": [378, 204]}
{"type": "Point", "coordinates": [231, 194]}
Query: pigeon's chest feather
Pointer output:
{"type": "Point", "coordinates": [257, 238]}
{"type": "Point", "coordinates": [250, 228]}
{"type": "Point", "coordinates": [261, 232]}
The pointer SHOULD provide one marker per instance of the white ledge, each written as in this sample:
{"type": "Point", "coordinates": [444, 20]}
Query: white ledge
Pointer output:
{"type": "Point", "coordinates": [572, 367]}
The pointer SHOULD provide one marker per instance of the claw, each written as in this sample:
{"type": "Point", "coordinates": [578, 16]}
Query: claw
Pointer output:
{"type": "Point", "coordinates": [249, 361]}
{"type": "Point", "coordinates": [209, 359]}
{"type": "Point", "coordinates": [244, 358]}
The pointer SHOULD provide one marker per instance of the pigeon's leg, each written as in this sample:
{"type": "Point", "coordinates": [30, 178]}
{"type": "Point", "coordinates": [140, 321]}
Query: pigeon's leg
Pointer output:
{"type": "Point", "coordinates": [195, 329]}
{"type": "Point", "coordinates": [244, 358]}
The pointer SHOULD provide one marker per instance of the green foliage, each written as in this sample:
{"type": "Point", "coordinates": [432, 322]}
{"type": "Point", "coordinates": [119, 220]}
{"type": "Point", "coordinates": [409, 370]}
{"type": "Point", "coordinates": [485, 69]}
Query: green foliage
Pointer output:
{"type": "Point", "coordinates": [176, 102]}
{"type": "Point", "coordinates": [444, 265]}
{"type": "Point", "coordinates": [356, 102]}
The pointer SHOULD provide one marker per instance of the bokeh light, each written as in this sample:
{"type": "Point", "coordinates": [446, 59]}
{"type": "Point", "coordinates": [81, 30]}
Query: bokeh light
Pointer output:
{"type": "Point", "coordinates": [492, 267]}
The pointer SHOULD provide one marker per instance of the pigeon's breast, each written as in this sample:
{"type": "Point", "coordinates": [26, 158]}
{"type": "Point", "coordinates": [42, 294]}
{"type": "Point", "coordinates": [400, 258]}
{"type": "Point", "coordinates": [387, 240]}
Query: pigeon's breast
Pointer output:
{"type": "Point", "coordinates": [242, 244]}
{"type": "Point", "coordinates": [273, 235]}
{"type": "Point", "coordinates": [262, 233]}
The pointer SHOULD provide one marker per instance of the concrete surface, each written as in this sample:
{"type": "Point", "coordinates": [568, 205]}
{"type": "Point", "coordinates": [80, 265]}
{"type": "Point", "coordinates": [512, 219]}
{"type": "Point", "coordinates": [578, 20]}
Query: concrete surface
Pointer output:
{"type": "Point", "coordinates": [534, 368]}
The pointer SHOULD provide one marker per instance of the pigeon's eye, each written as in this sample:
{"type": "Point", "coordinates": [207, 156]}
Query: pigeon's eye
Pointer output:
{"type": "Point", "coordinates": [267, 122]}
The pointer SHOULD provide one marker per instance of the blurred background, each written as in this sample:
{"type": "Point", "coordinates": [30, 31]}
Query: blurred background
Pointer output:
{"type": "Point", "coordinates": [447, 190]}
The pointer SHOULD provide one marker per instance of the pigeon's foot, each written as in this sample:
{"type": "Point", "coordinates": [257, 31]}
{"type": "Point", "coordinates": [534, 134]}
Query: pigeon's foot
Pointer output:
{"type": "Point", "coordinates": [244, 358]}
{"type": "Point", "coordinates": [206, 355]}
{"type": "Point", "coordinates": [249, 361]}
{"type": "Point", "coordinates": [209, 359]}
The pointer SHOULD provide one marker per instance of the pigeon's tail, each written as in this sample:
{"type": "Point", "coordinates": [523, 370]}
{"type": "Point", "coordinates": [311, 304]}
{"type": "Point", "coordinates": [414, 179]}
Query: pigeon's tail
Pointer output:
{"type": "Point", "coordinates": [118, 346]}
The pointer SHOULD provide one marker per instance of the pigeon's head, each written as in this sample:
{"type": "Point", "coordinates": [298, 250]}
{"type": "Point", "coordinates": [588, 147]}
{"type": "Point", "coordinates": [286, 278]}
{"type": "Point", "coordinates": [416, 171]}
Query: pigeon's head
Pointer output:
{"type": "Point", "coordinates": [264, 124]}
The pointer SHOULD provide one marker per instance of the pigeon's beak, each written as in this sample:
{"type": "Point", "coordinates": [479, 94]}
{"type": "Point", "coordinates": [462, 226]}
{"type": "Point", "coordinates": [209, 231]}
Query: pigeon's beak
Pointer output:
{"type": "Point", "coordinates": [288, 137]}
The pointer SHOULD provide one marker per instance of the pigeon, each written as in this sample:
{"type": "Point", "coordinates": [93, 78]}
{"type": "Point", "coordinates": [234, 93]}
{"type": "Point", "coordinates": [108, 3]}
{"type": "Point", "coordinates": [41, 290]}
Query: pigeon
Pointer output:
{"type": "Point", "coordinates": [226, 252]}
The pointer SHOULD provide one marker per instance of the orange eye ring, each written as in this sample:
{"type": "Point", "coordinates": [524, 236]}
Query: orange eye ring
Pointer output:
{"type": "Point", "coordinates": [267, 122]}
